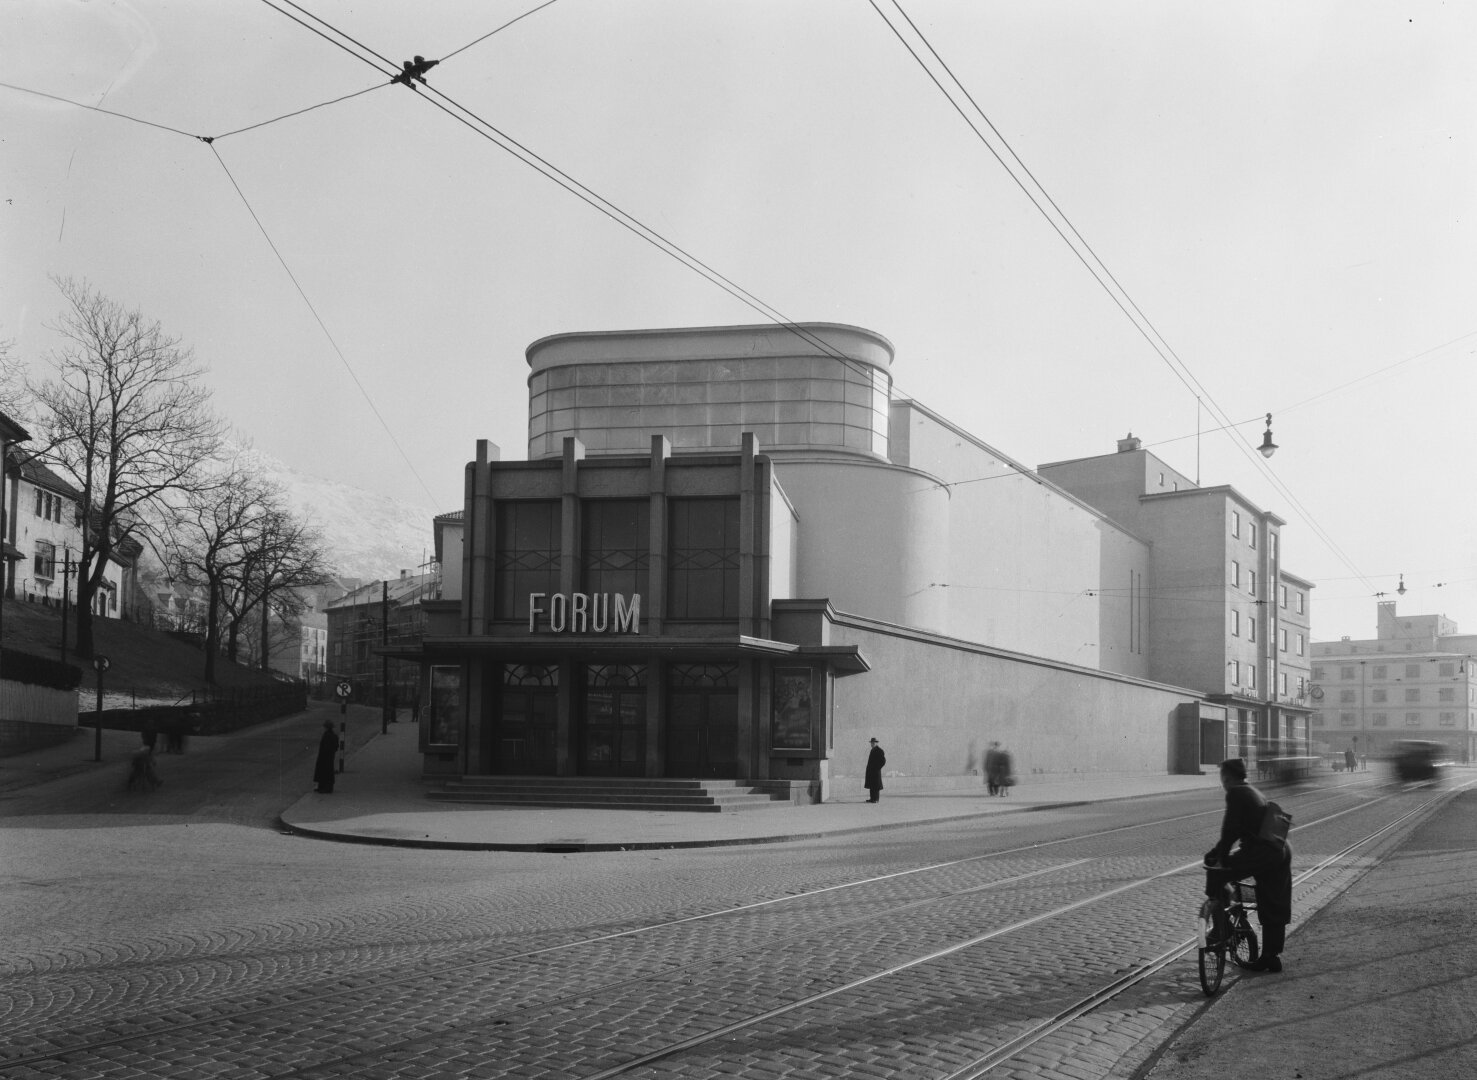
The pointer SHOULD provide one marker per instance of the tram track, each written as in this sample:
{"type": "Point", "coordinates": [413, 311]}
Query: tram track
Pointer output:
{"type": "Point", "coordinates": [1025, 1040]}
{"type": "Point", "coordinates": [888, 911]}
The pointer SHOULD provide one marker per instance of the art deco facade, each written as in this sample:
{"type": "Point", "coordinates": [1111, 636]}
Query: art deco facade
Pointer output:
{"type": "Point", "coordinates": [731, 553]}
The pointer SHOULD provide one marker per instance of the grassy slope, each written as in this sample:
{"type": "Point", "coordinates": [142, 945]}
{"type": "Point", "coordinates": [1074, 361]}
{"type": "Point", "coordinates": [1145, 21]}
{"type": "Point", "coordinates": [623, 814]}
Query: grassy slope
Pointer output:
{"type": "Point", "coordinates": [148, 662]}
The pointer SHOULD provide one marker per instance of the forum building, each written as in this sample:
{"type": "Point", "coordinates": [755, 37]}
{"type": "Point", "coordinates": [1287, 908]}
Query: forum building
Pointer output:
{"type": "Point", "coordinates": [732, 554]}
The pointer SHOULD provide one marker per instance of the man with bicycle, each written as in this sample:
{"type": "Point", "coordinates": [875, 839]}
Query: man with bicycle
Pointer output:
{"type": "Point", "coordinates": [1268, 861]}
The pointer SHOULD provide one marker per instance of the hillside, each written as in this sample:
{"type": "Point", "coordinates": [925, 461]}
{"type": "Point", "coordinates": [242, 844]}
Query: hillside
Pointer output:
{"type": "Point", "coordinates": [150, 664]}
{"type": "Point", "coordinates": [368, 536]}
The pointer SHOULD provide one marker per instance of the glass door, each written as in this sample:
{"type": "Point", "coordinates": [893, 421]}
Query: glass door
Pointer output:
{"type": "Point", "coordinates": [529, 721]}
{"type": "Point", "coordinates": [613, 721]}
{"type": "Point", "coordinates": [702, 721]}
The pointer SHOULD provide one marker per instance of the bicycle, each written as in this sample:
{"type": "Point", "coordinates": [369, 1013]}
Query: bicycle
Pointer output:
{"type": "Point", "coordinates": [1225, 928]}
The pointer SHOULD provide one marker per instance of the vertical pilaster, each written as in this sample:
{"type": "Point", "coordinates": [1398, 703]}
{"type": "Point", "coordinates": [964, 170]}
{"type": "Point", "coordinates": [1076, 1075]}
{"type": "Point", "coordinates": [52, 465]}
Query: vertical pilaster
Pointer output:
{"type": "Point", "coordinates": [471, 528]}
{"type": "Point", "coordinates": [655, 603]}
{"type": "Point", "coordinates": [571, 673]}
{"type": "Point", "coordinates": [477, 738]}
{"type": "Point", "coordinates": [569, 531]}
{"type": "Point", "coordinates": [763, 508]}
{"type": "Point", "coordinates": [656, 715]}
{"type": "Point", "coordinates": [477, 564]}
{"type": "Point", "coordinates": [747, 517]}
{"type": "Point", "coordinates": [753, 755]}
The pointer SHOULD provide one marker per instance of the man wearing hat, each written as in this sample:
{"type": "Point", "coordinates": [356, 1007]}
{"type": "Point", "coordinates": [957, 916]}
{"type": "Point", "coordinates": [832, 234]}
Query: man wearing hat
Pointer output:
{"type": "Point", "coordinates": [875, 760]}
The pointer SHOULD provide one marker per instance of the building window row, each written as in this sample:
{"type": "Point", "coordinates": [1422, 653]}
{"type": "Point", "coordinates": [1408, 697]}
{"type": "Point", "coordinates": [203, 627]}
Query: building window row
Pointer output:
{"type": "Point", "coordinates": [48, 506]}
{"type": "Point", "coordinates": [702, 575]}
{"type": "Point", "coordinates": [1251, 529]}
{"type": "Point", "coordinates": [1282, 638]}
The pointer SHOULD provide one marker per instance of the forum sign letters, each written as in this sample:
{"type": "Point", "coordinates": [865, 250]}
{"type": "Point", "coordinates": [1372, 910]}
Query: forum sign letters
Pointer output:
{"type": "Point", "coordinates": [584, 613]}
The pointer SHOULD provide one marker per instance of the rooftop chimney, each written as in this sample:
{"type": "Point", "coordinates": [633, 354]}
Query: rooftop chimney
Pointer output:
{"type": "Point", "coordinates": [1130, 443]}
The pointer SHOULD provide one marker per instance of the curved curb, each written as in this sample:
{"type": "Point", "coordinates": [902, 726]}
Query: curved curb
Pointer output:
{"type": "Point", "coordinates": [574, 847]}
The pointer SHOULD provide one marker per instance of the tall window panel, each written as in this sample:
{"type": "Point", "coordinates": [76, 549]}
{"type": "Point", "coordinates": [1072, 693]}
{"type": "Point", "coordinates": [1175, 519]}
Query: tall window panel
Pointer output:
{"type": "Point", "coordinates": [615, 547]}
{"type": "Point", "coordinates": [527, 560]}
{"type": "Point", "coordinates": [703, 559]}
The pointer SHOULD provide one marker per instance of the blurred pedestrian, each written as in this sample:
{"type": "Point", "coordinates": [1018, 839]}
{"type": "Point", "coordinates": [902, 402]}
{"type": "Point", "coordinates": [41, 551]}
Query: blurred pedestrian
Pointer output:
{"type": "Point", "coordinates": [998, 778]}
{"type": "Point", "coordinates": [1349, 760]}
{"type": "Point", "coordinates": [141, 773]}
{"type": "Point", "coordinates": [174, 735]}
{"type": "Point", "coordinates": [875, 761]}
{"type": "Point", "coordinates": [323, 768]}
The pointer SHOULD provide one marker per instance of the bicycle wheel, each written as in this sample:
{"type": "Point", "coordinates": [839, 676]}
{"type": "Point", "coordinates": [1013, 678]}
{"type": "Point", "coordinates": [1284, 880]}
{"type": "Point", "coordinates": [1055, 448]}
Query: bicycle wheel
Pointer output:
{"type": "Point", "coordinates": [1244, 948]}
{"type": "Point", "coordinates": [1212, 962]}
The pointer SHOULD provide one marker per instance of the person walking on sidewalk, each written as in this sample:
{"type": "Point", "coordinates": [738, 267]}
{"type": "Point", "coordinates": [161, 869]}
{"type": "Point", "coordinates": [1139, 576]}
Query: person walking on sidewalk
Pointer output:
{"type": "Point", "coordinates": [1268, 862]}
{"type": "Point", "coordinates": [323, 768]}
{"type": "Point", "coordinates": [992, 769]}
{"type": "Point", "coordinates": [998, 770]}
{"type": "Point", "coordinates": [875, 761]}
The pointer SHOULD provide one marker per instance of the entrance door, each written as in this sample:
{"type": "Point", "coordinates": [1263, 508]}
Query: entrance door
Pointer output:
{"type": "Point", "coordinates": [526, 735]}
{"type": "Point", "coordinates": [529, 721]}
{"type": "Point", "coordinates": [613, 724]}
{"type": "Point", "coordinates": [702, 721]}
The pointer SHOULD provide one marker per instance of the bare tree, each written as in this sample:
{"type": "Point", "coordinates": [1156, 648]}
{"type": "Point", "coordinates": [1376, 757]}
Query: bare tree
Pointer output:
{"type": "Point", "coordinates": [298, 561]}
{"type": "Point", "coordinates": [126, 420]}
{"type": "Point", "coordinates": [288, 555]}
{"type": "Point", "coordinates": [12, 383]}
{"type": "Point", "coordinates": [215, 529]}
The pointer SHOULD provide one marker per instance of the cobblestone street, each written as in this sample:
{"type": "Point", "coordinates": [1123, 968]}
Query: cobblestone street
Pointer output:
{"type": "Point", "coordinates": [188, 937]}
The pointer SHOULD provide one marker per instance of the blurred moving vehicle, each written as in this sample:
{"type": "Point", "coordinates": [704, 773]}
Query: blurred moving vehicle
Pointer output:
{"type": "Point", "coordinates": [1418, 759]}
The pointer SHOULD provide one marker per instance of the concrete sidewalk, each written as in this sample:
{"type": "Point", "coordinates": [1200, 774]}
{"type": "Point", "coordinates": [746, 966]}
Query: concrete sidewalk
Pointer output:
{"type": "Point", "coordinates": [380, 799]}
{"type": "Point", "coordinates": [1378, 984]}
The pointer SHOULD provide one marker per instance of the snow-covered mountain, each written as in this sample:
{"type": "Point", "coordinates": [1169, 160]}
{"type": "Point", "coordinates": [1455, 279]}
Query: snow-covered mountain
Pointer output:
{"type": "Point", "coordinates": [367, 535]}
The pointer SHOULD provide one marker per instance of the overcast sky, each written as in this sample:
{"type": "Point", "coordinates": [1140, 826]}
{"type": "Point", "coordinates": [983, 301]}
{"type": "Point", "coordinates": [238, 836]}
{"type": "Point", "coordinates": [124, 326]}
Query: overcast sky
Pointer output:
{"type": "Point", "coordinates": [1285, 191]}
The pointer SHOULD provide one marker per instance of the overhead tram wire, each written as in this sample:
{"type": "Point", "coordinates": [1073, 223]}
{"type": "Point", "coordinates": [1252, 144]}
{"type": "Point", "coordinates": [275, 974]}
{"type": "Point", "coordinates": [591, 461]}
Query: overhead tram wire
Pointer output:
{"type": "Point", "coordinates": [588, 195]}
{"type": "Point", "coordinates": [324, 327]}
{"type": "Point", "coordinates": [1142, 323]}
{"type": "Point", "coordinates": [297, 112]}
{"type": "Point", "coordinates": [500, 29]}
{"type": "Point", "coordinates": [209, 141]}
{"type": "Point", "coordinates": [1256, 461]}
{"type": "Point", "coordinates": [323, 22]}
{"type": "Point", "coordinates": [592, 198]}
{"type": "Point", "coordinates": [97, 108]}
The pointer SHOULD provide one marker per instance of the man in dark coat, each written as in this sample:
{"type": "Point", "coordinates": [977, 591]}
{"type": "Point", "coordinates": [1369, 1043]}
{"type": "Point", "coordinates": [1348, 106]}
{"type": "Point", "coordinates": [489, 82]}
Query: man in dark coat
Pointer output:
{"type": "Point", "coordinates": [1268, 862]}
{"type": "Point", "coordinates": [323, 769]}
{"type": "Point", "coordinates": [875, 760]}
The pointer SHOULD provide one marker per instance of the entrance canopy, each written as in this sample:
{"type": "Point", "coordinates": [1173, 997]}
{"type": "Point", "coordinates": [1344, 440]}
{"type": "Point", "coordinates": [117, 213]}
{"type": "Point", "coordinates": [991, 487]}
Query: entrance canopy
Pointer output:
{"type": "Point", "coordinates": [841, 659]}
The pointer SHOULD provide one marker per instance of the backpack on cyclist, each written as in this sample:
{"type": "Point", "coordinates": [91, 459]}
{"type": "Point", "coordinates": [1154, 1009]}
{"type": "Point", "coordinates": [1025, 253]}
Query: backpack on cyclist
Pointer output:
{"type": "Point", "coordinates": [1275, 823]}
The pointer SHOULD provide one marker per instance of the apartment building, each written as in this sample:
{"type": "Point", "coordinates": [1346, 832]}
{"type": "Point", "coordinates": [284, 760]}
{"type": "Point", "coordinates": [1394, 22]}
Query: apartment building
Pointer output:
{"type": "Point", "coordinates": [1413, 680]}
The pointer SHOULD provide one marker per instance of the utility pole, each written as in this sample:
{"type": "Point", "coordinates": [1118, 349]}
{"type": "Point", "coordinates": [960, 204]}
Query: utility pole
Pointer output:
{"type": "Point", "coordinates": [385, 705]}
{"type": "Point", "coordinates": [66, 573]}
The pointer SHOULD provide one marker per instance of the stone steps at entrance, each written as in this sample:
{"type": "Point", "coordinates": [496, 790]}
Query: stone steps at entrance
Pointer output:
{"type": "Point", "coordinates": [611, 793]}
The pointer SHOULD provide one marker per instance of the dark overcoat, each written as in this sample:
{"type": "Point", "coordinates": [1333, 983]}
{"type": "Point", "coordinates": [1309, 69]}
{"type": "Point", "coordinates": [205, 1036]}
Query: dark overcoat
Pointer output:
{"type": "Point", "coordinates": [323, 768]}
{"type": "Point", "coordinates": [875, 760]}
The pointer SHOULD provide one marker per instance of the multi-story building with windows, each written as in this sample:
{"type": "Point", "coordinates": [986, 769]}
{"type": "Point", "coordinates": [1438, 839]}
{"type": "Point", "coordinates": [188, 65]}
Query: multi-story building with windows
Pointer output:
{"type": "Point", "coordinates": [1225, 616]}
{"type": "Point", "coordinates": [43, 523]}
{"type": "Point", "coordinates": [363, 620]}
{"type": "Point", "coordinates": [731, 553]}
{"type": "Point", "coordinates": [1413, 680]}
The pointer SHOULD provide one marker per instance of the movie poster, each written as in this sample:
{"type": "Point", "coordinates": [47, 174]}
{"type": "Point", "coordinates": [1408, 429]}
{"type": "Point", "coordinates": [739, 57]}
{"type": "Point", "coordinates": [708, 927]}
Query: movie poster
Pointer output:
{"type": "Point", "coordinates": [444, 717]}
{"type": "Point", "coordinates": [792, 709]}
